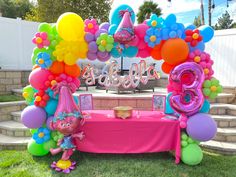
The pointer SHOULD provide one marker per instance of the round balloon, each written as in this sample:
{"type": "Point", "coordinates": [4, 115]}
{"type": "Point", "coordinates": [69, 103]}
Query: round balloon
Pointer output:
{"type": "Point", "coordinates": [49, 144]}
{"type": "Point", "coordinates": [33, 116]}
{"type": "Point", "coordinates": [51, 106]}
{"type": "Point", "coordinates": [70, 26]}
{"type": "Point", "coordinates": [38, 77]}
{"type": "Point", "coordinates": [207, 32]}
{"type": "Point", "coordinates": [49, 119]}
{"type": "Point", "coordinates": [191, 154]}
{"type": "Point", "coordinates": [36, 149]}
{"type": "Point", "coordinates": [57, 67]}
{"type": "Point", "coordinates": [205, 107]}
{"type": "Point", "coordinates": [72, 70]}
{"type": "Point", "coordinates": [201, 127]}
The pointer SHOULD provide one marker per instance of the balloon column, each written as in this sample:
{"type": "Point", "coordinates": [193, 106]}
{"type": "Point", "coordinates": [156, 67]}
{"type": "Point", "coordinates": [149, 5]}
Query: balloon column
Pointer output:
{"type": "Point", "coordinates": [54, 76]}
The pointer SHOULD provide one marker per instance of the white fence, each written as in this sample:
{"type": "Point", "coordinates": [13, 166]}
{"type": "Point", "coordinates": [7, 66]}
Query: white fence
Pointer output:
{"type": "Point", "coordinates": [16, 48]}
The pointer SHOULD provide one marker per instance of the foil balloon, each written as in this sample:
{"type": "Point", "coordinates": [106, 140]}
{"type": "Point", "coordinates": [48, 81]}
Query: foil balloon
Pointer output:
{"type": "Point", "coordinates": [125, 31]}
{"type": "Point", "coordinates": [190, 77]}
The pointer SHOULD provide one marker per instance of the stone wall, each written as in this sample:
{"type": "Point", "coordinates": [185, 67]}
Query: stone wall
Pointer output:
{"type": "Point", "coordinates": [12, 79]}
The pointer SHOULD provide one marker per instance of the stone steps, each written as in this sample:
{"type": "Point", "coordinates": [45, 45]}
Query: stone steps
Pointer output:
{"type": "Point", "coordinates": [9, 142]}
{"type": "Point", "coordinates": [16, 116]}
{"type": "Point", "coordinates": [223, 109]}
{"type": "Point", "coordinates": [13, 128]}
{"type": "Point", "coordinates": [224, 148]}
{"type": "Point", "coordinates": [225, 121]}
{"type": "Point", "coordinates": [17, 92]}
{"type": "Point", "coordinates": [226, 135]}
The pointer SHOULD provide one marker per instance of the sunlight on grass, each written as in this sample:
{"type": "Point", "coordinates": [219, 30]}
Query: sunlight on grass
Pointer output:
{"type": "Point", "coordinates": [6, 98]}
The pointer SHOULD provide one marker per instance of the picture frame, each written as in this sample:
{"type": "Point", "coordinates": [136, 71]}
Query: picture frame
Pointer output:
{"type": "Point", "coordinates": [159, 103]}
{"type": "Point", "coordinates": [86, 102]}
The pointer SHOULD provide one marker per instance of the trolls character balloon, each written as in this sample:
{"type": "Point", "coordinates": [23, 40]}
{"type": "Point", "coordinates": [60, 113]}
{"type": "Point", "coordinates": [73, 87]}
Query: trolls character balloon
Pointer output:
{"type": "Point", "coordinates": [67, 121]}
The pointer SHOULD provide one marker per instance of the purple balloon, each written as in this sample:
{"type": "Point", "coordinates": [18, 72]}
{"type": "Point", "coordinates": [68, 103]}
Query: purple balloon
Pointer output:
{"type": "Point", "coordinates": [91, 56]}
{"type": "Point", "coordinates": [104, 25]}
{"type": "Point", "coordinates": [100, 31]}
{"type": "Point", "coordinates": [201, 127]}
{"type": "Point", "coordinates": [103, 56]}
{"type": "Point", "coordinates": [49, 119]}
{"type": "Point", "coordinates": [89, 37]}
{"type": "Point", "coordinates": [33, 116]}
{"type": "Point", "coordinates": [93, 48]}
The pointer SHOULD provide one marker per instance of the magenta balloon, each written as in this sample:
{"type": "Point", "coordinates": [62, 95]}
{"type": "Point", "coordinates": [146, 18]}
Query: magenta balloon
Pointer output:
{"type": "Point", "coordinates": [49, 119]}
{"type": "Point", "coordinates": [201, 127]}
{"type": "Point", "coordinates": [103, 56]}
{"type": "Point", "coordinates": [142, 44]}
{"type": "Point", "coordinates": [33, 116]}
{"type": "Point", "coordinates": [192, 90]}
{"type": "Point", "coordinates": [91, 56]}
{"type": "Point", "coordinates": [38, 77]}
{"type": "Point", "coordinates": [100, 31]}
{"type": "Point", "coordinates": [143, 53]}
{"type": "Point", "coordinates": [89, 37]}
{"type": "Point", "coordinates": [135, 41]}
{"type": "Point", "coordinates": [104, 25]}
{"type": "Point", "coordinates": [93, 48]}
{"type": "Point", "coordinates": [140, 30]}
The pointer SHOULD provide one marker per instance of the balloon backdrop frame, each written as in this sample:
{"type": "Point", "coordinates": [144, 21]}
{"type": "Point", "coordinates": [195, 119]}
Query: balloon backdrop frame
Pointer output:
{"type": "Point", "coordinates": [52, 113]}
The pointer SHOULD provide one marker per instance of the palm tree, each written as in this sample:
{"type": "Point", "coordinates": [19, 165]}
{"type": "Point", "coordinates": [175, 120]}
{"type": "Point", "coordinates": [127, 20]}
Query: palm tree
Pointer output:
{"type": "Point", "coordinates": [146, 10]}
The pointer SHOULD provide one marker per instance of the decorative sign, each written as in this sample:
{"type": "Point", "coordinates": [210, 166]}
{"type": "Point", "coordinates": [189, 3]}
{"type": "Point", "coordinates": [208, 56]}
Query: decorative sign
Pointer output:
{"type": "Point", "coordinates": [86, 102]}
{"type": "Point", "coordinates": [113, 79]}
{"type": "Point", "coordinates": [158, 103]}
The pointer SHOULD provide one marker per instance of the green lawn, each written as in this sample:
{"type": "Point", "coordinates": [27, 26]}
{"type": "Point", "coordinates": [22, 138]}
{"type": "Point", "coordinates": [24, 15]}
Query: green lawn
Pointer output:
{"type": "Point", "coordinates": [22, 164]}
{"type": "Point", "coordinates": [6, 98]}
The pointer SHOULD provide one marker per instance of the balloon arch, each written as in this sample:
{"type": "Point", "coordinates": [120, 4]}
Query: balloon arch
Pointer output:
{"type": "Point", "coordinates": [54, 76]}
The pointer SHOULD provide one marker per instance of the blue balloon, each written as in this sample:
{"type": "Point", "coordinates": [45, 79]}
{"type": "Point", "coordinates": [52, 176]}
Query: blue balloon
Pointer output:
{"type": "Point", "coordinates": [115, 17]}
{"type": "Point", "coordinates": [112, 29]}
{"type": "Point", "coordinates": [207, 32]}
{"type": "Point", "coordinates": [51, 106]}
{"type": "Point", "coordinates": [131, 51]}
{"type": "Point", "coordinates": [170, 19]}
{"type": "Point", "coordinates": [200, 46]}
{"type": "Point", "coordinates": [205, 107]}
{"type": "Point", "coordinates": [168, 109]}
{"type": "Point", "coordinates": [115, 53]}
{"type": "Point", "coordinates": [76, 100]}
{"type": "Point", "coordinates": [189, 26]}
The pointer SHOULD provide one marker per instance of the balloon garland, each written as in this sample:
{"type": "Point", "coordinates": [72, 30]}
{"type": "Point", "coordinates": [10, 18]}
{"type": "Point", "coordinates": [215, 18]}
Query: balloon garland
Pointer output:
{"type": "Point", "coordinates": [54, 76]}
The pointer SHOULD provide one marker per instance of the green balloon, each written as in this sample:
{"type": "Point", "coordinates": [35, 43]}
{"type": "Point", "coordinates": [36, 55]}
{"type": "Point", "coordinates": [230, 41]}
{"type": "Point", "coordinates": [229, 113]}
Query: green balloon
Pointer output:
{"type": "Point", "coordinates": [56, 135]}
{"type": "Point", "coordinates": [184, 136]}
{"type": "Point", "coordinates": [49, 144]}
{"type": "Point", "coordinates": [54, 29]}
{"type": "Point", "coordinates": [213, 95]}
{"type": "Point", "coordinates": [192, 154]}
{"type": "Point", "coordinates": [207, 83]}
{"type": "Point", "coordinates": [44, 27]}
{"type": "Point", "coordinates": [190, 140]}
{"type": "Point", "coordinates": [36, 149]}
{"type": "Point", "coordinates": [32, 131]}
{"type": "Point", "coordinates": [219, 89]}
{"type": "Point", "coordinates": [28, 94]}
{"type": "Point", "coordinates": [206, 91]}
{"type": "Point", "coordinates": [215, 82]}
{"type": "Point", "coordinates": [184, 143]}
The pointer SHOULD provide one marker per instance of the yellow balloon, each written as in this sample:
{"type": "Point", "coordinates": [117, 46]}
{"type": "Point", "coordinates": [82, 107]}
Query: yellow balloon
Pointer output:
{"type": "Point", "coordinates": [70, 59]}
{"type": "Point", "coordinates": [70, 26]}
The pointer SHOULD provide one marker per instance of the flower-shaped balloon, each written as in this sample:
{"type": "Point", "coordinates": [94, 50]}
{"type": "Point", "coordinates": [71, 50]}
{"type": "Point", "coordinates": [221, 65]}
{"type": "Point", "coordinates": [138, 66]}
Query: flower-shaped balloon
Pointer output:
{"type": "Point", "coordinates": [41, 98]}
{"type": "Point", "coordinates": [186, 140]}
{"type": "Point", "coordinates": [153, 37]}
{"type": "Point", "coordinates": [56, 135]}
{"type": "Point", "coordinates": [28, 94]}
{"type": "Point", "coordinates": [52, 81]}
{"type": "Point", "coordinates": [204, 60]}
{"type": "Point", "coordinates": [91, 26]}
{"type": "Point", "coordinates": [105, 42]}
{"type": "Point", "coordinates": [211, 88]}
{"type": "Point", "coordinates": [64, 166]}
{"type": "Point", "coordinates": [43, 60]}
{"type": "Point", "coordinates": [193, 37]}
{"type": "Point", "coordinates": [41, 40]}
{"type": "Point", "coordinates": [42, 135]}
{"type": "Point", "coordinates": [155, 21]}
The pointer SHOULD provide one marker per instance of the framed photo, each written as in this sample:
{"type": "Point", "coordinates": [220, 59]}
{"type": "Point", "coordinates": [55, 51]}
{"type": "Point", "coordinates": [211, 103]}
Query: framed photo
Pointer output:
{"type": "Point", "coordinates": [86, 102]}
{"type": "Point", "coordinates": [159, 103]}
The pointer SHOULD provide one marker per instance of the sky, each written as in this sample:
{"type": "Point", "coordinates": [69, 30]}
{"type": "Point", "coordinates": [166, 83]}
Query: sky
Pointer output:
{"type": "Point", "coordinates": [186, 10]}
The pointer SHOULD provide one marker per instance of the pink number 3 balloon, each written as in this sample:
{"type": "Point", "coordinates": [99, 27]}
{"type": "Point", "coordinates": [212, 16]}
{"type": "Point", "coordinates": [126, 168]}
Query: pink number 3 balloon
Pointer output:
{"type": "Point", "coordinates": [190, 77]}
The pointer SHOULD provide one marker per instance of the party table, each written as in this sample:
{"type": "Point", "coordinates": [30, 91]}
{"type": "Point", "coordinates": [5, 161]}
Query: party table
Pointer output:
{"type": "Point", "coordinates": [144, 132]}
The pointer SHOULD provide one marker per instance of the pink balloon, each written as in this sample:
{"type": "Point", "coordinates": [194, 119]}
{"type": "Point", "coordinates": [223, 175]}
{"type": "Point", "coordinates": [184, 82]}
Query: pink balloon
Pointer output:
{"type": "Point", "coordinates": [43, 35]}
{"type": "Point", "coordinates": [135, 41]}
{"type": "Point", "coordinates": [143, 53]}
{"type": "Point", "coordinates": [142, 44]}
{"type": "Point", "coordinates": [140, 30]}
{"type": "Point", "coordinates": [38, 77]}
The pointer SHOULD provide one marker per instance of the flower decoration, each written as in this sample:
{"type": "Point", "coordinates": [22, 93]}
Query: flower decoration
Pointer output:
{"type": "Point", "coordinates": [193, 37]}
{"type": "Point", "coordinates": [186, 140]}
{"type": "Point", "coordinates": [155, 21]}
{"type": "Point", "coordinates": [153, 37]}
{"type": "Point", "coordinates": [43, 60]}
{"type": "Point", "coordinates": [63, 115]}
{"type": "Point", "coordinates": [56, 135]}
{"type": "Point", "coordinates": [42, 135]}
{"type": "Point", "coordinates": [52, 81]}
{"type": "Point", "coordinates": [105, 42]}
{"type": "Point", "coordinates": [50, 92]}
{"type": "Point", "coordinates": [211, 88]}
{"type": "Point", "coordinates": [41, 40]}
{"type": "Point", "coordinates": [204, 60]}
{"type": "Point", "coordinates": [64, 166]}
{"type": "Point", "coordinates": [91, 26]}
{"type": "Point", "coordinates": [41, 98]}
{"type": "Point", "coordinates": [70, 51]}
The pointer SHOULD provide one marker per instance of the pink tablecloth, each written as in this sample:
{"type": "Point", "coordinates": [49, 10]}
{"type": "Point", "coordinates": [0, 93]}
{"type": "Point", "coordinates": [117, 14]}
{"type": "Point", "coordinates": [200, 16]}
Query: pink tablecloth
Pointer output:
{"type": "Point", "coordinates": [145, 132]}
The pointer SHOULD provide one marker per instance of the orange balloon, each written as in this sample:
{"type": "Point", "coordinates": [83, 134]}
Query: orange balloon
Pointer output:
{"type": "Point", "coordinates": [72, 70]}
{"type": "Point", "coordinates": [35, 67]}
{"type": "Point", "coordinates": [57, 67]}
{"type": "Point", "coordinates": [175, 51]}
{"type": "Point", "coordinates": [166, 68]}
{"type": "Point", "coordinates": [156, 51]}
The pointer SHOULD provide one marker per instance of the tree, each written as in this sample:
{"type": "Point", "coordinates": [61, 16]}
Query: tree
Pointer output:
{"type": "Point", "coordinates": [15, 8]}
{"type": "Point", "coordinates": [50, 10]}
{"type": "Point", "coordinates": [224, 22]}
{"type": "Point", "coordinates": [146, 10]}
{"type": "Point", "coordinates": [197, 21]}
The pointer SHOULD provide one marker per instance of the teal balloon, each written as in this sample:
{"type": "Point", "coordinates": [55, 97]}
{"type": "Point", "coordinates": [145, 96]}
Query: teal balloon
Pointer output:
{"type": "Point", "coordinates": [76, 100]}
{"type": "Point", "coordinates": [170, 19]}
{"type": "Point", "coordinates": [112, 29]}
{"type": "Point", "coordinates": [205, 107]}
{"type": "Point", "coordinates": [191, 154]}
{"type": "Point", "coordinates": [51, 106]}
{"type": "Point", "coordinates": [207, 32]}
{"type": "Point", "coordinates": [115, 53]}
{"type": "Point", "coordinates": [168, 109]}
{"type": "Point", "coordinates": [131, 51]}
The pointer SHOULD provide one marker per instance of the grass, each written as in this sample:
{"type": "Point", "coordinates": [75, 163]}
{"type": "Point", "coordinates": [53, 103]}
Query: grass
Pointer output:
{"type": "Point", "coordinates": [6, 98]}
{"type": "Point", "coordinates": [22, 164]}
